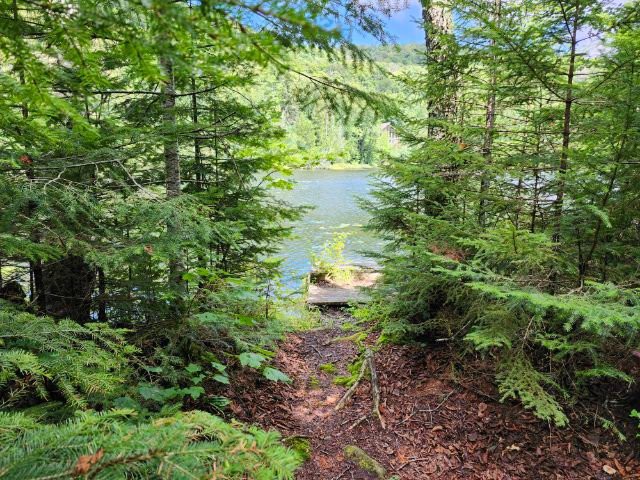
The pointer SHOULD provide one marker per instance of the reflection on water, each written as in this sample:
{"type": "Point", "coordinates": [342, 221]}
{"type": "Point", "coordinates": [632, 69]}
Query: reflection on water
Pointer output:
{"type": "Point", "coordinates": [334, 196]}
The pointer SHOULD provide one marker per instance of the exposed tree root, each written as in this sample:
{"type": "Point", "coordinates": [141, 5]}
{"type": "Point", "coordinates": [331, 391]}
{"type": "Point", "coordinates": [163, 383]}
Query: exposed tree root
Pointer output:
{"type": "Point", "coordinates": [367, 365]}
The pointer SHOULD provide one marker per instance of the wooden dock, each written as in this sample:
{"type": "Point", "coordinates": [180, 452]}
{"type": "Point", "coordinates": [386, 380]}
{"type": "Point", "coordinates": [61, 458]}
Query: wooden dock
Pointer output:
{"type": "Point", "coordinates": [330, 293]}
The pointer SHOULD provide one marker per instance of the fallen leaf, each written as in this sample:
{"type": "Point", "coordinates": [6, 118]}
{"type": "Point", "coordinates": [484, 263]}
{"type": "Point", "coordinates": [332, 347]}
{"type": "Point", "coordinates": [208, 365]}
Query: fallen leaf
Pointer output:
{"type": "Point", "coordinates": [620, 468]}
{"type": "Point", "coordinates": [85, 462]}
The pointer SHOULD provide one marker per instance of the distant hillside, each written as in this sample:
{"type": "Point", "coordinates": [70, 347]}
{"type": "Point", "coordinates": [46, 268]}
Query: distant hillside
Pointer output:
{"type": "Point", "coordinates": [407, 54]}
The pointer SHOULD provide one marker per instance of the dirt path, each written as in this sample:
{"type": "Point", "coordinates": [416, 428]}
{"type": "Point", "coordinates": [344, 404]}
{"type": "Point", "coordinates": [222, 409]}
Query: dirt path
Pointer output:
{"type": "Point", "coordinates": [438, 426]}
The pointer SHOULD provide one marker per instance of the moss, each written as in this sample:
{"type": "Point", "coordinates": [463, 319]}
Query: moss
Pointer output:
{"type": "Point", "coordinates": [329, 368]}
{"type": "Point", "coordinates": [299, 444]}
{"type": "Point", "coordinates": [314, 383]}
{"type": "Point", "coordinates": [356, 338]}
{"type": "Point", "coordinates": [348, 327]}
{"type": "Point", "coordinates": [348, 380]}
{"type": "Point", "coordinates": [364, 461]}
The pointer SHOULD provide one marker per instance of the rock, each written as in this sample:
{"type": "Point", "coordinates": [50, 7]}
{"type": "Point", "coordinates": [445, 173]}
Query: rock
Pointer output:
{"type": "Point", "coordinates": [364, 461]}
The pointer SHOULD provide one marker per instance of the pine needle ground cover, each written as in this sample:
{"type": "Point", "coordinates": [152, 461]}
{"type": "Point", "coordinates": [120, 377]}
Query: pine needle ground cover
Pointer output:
{"type": "Point", "coordinates": [443, 414]}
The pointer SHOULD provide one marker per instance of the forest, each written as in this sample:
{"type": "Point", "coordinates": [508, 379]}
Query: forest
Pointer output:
{"type": "Point", "coordinates": [146, 327]}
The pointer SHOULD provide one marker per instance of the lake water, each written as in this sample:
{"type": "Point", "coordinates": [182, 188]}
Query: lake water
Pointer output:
{"type": "Point", "coordinates": [333, 194]}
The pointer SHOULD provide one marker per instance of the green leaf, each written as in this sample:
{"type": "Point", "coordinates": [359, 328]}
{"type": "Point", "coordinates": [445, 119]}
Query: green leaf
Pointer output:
{"type": "Point", "coordinates": [218, 366]}
{"type": "Point", "coordinates": [250, 359]}
{"type": "Point", "coordinates": [194, 392]}
{"type": "Point", "coordinates": [245, 320]}
{"type": "Point", "coordinates": [151, 392]}
{"type": "Point", "coordinates": [275, 375]}
{"type": "Point", "coordinates": [190, 277]}
{"type": "Point", "coordinates": [600, 214]}
{"type": "Point", "coordinates": [221, 378]}
{"type": "Point", "coordinates": [219, 402]}
{"type": "Point", "coordinates": [193, 368]}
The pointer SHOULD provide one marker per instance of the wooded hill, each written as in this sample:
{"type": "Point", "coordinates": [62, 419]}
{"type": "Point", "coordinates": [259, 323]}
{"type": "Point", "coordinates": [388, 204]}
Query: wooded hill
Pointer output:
{"type": "Point", "coordinates": [323, 132]}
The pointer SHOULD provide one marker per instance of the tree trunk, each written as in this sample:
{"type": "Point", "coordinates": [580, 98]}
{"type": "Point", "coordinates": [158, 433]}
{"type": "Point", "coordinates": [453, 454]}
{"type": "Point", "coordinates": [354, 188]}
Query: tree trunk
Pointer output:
{"type": "Point", "coordinates": [68, 284]}
{"type": "Point", "coordinates": [102, 296]}
{"type": "Point", "coordinates": [438, 22]}
{"type": "Point", "coordinates": [171, 163]}
{"type": "Point", "coordinates": [197, 149]}
{"type": "Point", "coordinates": [566, 129]}
{"type": "Point", "coordinates": [489, 127]}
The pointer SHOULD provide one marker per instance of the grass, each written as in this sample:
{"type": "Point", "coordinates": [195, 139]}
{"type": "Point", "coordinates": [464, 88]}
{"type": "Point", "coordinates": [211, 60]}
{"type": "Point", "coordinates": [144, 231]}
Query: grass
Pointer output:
{"type": "Point", "coordinates": [298, 317]}
{"type": "Point", "coordinates": [329, 368]}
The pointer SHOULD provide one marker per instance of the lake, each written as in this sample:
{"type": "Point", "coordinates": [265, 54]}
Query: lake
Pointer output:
{"type": "Point", "coordinates": [333, 194]}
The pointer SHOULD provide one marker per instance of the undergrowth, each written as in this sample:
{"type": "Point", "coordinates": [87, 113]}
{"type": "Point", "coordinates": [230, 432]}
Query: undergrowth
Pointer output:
{"type": "Point", "coordinates": [547, 348]}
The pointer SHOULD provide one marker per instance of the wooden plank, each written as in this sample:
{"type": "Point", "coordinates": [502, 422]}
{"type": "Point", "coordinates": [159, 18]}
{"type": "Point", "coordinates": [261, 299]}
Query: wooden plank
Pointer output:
{"type": "Point", "coordinates": [330, 293]}
{"type": "Point", "coordinates": [335, 295]}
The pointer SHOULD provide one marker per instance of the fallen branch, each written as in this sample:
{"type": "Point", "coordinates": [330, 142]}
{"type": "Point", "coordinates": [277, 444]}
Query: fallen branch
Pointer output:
{"type": "Point", "coordinates": [367, 364]}
{"type": "Point", "coordinates": [375, 389]}
{"type": "Point", "coordinates": [357, 422]}
{"type": "Point", "coordinates": [428, 410]}
{"type": "Point", "coordinates": [347, 396]}
{"type": "Point", "coordinates": [413, 460]}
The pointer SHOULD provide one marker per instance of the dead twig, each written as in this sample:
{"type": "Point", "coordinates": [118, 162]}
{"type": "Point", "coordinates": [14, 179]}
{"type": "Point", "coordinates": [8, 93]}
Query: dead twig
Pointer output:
{"type": "Point", "coordinates": [357, 422]}
{"type": "Point", "coordinates": [413, 460]}
{"type": "Point", "coordinates": [367, 364]}
{"type": "Point", "coordinates": [375, 389]}
{"type": "Point", "coordinates": [428, 410]}
{"type": "Point", "coordinates": [431, 410]}
{"type": "Point", "coordinates": [342, 474]}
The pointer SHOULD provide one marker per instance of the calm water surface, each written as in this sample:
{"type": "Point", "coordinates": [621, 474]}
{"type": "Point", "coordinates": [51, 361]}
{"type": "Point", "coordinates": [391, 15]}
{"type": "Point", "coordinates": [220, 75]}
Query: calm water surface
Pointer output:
{"type": "Point", "coordinates": [334, 195]}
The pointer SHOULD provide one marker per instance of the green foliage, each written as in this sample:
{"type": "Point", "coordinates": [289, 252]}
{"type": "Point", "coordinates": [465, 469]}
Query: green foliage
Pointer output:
{"type": "Point", "coordinates": [249, 359]}
{"type": "Point", "coordinates": [512, 252]}
{"type": "Point", "coordinates": [509, 215]}
{"type": "Point", "coordinates": [517, 378]}
{"type": "Point", "coordinates": [275, 375]}
{"type": "Point", "coordinates": [331, 262]}
{"type": "Point", "coordinates": [114, 445]}
{"type": "Point", "coordinates": [137, 180]}
{"type": "Point", "coordinates": [314, 382]}
{"type": "Point", "coordinates": [300, 445]}
{"type": "Point", "coordinates": [350, 379]}
{"type": "Point", "coordinates": [194, 377]}
{"type": "Point", "coordinates": [41, 358]}
{"type": "Point", "coordinates": [635, 414]}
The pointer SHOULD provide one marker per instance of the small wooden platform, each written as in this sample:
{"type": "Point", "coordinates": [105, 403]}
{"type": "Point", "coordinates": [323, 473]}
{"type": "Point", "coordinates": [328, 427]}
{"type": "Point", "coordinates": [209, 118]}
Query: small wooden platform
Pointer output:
{"type": "Point", "coordinates": [328, 293]}
{"type": "Point", "coordinates": [335, 296]}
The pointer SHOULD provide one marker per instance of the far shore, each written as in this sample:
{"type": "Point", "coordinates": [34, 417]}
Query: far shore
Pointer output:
{"type": "Point", "coordinates": [341, 166]}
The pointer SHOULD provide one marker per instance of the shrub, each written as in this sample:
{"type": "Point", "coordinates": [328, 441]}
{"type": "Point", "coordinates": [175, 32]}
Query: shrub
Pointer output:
{"type": "Point", "coordinates": [41, 358]}
{"type": "Point", "coordinates": [546, 346]}
{"type": "Point", "coordinates": [112, 446]}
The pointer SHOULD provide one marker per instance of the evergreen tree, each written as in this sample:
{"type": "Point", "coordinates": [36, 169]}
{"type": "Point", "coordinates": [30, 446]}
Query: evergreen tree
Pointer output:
{"type": "Point", "coordinates": [497, 216]}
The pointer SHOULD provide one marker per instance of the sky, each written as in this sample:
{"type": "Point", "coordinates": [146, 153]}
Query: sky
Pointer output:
{"type": "Point", "coordinates": [403, 26]}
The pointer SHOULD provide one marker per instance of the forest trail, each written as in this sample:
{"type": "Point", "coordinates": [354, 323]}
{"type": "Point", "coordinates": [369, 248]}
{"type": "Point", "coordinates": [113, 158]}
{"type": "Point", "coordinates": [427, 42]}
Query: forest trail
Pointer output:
{"type": "Point", "coordinates": [438, 426]}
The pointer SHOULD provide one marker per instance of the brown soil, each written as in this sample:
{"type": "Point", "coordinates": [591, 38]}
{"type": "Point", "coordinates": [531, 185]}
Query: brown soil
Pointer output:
{"type": "Point", "coordinates": [439, 425]}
